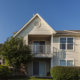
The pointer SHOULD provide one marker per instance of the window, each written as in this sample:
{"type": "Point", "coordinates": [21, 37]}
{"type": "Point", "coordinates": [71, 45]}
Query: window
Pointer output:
{"type": "Point", "coordinates": [69, 43]}
{"type": "Point", "coordinates": [66, 62]}
{"type": "Point", "coordinates": [69, 62]}
{"type": "Point", "coordinates": [66, 43]}
{"type": "Point", "coordinates": [62, 63]}
{"type": "Point", "coordinates": [62, 43]}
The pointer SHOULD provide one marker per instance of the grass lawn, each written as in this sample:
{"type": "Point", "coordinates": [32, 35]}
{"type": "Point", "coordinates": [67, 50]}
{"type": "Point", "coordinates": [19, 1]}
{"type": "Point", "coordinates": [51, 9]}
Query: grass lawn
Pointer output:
{"type": "Point", "coordinates": [31, 79]}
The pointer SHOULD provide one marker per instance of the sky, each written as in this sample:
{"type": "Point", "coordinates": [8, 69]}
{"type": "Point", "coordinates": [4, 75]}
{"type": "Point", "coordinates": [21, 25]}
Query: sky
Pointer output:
{"type": "Point", "coordinates": [59, 14]}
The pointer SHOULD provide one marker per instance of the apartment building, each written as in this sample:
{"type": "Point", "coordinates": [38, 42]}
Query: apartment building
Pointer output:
{"type": "Point", "coordinates": [50, 48]}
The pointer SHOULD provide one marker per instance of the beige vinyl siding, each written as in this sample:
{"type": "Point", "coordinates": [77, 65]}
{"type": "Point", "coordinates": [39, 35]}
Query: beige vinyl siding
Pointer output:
{"type": "Point", "coordinates": [70, 54]}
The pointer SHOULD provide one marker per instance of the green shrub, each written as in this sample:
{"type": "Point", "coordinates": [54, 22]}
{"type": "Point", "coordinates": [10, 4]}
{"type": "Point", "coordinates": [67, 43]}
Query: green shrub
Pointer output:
{"type": "Point", "coordinates": [65, 73]}
{"type": "Point", "coordinates": [4, 72]}
{"type": "Point", "coordinates": [78, 73]}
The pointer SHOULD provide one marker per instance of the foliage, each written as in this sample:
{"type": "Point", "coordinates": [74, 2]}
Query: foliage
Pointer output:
{"type": "Point", "coordinates": [65, 73]}
{"type": "Point", "coordinates": [0, 47]}
{"type": "Point", "coordinates": [16, 53]}
{"type": "Point", "coordinates": [4, 72]}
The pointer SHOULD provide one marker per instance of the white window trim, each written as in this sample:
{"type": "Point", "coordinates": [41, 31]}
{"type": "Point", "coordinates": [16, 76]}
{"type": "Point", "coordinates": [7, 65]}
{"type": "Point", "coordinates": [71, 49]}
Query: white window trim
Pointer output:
{"type": "Point", "coordinates": [66, 44]}
{"type": "Point", "coordinates": [66, 61]}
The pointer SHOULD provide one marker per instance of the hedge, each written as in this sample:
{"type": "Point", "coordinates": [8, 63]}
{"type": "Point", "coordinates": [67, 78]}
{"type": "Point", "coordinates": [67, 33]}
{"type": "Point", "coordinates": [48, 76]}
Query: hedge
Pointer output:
{"type": "Point", "coordinates": [4, 72]}
{"type": "Point", "coordinates": [65, 73]}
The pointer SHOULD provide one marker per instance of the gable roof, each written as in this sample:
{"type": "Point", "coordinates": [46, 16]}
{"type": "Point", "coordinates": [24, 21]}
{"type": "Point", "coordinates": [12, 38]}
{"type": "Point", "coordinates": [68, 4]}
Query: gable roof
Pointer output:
{"type": "Point", "coordinates": [36, 15]}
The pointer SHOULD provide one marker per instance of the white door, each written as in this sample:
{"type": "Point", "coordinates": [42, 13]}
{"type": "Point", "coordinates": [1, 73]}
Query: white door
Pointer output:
{"type": "Point", "coordinates": [42, 69]}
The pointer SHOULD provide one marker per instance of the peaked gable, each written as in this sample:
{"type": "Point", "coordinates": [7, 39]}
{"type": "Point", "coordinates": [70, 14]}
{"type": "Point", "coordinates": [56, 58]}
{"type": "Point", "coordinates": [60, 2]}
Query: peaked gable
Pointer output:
{"type": "Point", "coordinates": [35, 26]}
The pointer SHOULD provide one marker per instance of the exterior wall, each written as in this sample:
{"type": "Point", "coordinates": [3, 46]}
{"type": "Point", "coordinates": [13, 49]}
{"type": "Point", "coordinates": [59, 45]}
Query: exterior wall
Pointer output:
{"type": "Point", "coordinates": [70, 55]}
{"type": "Point", "coordinates": [35, 28]}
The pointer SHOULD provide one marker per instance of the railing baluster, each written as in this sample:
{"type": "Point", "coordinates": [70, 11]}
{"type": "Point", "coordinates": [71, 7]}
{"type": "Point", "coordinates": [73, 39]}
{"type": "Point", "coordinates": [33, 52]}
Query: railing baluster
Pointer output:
{"type": "Point", "coordinates": [44, 49]}
{"type": "Point", "coordinates": [59, 53]}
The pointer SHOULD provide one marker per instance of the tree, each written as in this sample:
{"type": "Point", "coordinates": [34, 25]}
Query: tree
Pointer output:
{"type": "Point", "coordinates": [0, 47]}
{"type": "Point", "coordinates": [17, 54]}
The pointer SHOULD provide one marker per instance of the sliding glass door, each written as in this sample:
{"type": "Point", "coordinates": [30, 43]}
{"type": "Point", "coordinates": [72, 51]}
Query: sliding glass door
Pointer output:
{"type": "Point", "coordinates": [36, 68]}
{"type": "Point", "coordinates": [39, 46]}
{"type": "Point", "coordinates": [39, 68]}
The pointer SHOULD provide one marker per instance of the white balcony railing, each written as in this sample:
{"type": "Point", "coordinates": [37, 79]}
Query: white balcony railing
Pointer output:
{"type": "Point", "coordinates": [40, 49]}
{"type": "Point", "coordinates": [46, 50]}
{"type": "Point", "coordinates": [60, 54]}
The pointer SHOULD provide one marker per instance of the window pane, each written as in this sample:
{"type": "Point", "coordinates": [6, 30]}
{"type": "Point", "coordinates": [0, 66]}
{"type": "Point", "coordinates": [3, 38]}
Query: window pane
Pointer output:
{"type": "Point", "coordinates": [62, 63]}
{"type": "Point", "coordinates": [35, 68]}
{"type": "Point", "coordinates": [62, 46]}
{"type": "Point", "coordinates": [69, 46]}
{"type": "Point", "coordinates": [69, 40]}
{"type": "Point", "coordinates": [62, 40]}
{"type": "Point", "coordinates": [70, 63]}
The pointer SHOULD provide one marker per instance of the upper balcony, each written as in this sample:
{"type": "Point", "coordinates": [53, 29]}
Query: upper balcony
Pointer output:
{"type": "Point", "coordinates": [45, 51]}
{"type": "Point", "coordinates": [40, 45]}
{"type": "Point", "coordinates": [41, 50]}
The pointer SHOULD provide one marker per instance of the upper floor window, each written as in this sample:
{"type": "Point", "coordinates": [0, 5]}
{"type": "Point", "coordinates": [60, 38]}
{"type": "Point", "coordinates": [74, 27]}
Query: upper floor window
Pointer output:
{"type": "Point", "coordinates": [66, 43]}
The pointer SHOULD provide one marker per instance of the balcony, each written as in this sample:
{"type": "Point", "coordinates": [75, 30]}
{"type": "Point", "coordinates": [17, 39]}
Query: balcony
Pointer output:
{"type": "Point", "coordinates": [41, 50]}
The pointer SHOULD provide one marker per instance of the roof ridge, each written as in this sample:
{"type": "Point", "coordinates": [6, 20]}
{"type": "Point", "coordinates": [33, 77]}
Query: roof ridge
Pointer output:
{"type": "Point", "coordinates": [71, 31]}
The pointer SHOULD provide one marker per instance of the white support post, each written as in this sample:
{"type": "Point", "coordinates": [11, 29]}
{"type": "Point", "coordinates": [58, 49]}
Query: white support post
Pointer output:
{"type": "Point", "coordinates": [52, 62]}
{"type": "Point", "coordinates": [26, 40]}
{"type": "Point", "coordinates": [52, 50]}
{"type": "Point", "coordinates": [51, 44]}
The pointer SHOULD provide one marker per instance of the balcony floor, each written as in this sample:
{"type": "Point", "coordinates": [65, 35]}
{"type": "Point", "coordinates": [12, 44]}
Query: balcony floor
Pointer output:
{"type": "Point", "coordinates": [43, 55]}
